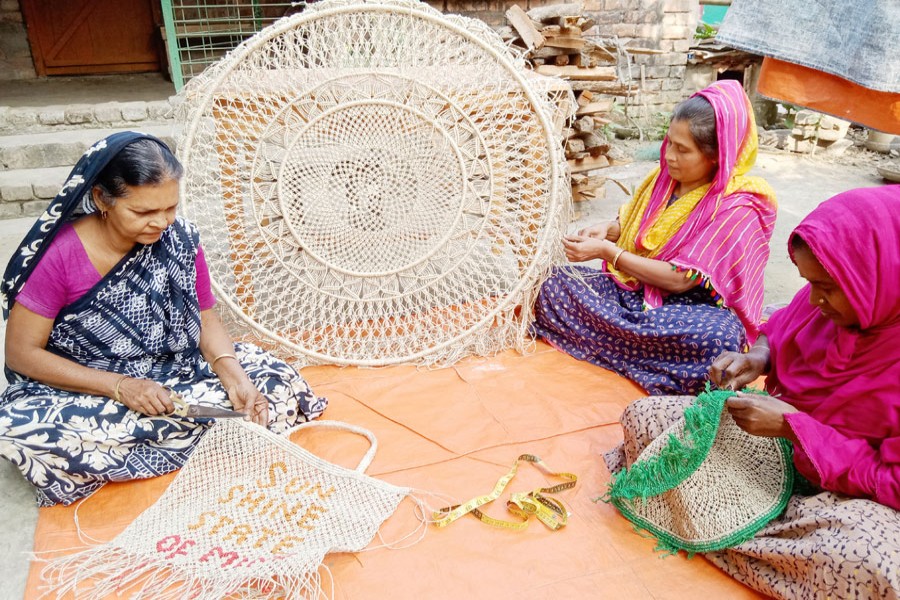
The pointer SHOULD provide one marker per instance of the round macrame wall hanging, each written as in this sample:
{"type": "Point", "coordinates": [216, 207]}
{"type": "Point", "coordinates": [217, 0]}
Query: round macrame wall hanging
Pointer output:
{"type": "Point", "coordinates": [376, 183]}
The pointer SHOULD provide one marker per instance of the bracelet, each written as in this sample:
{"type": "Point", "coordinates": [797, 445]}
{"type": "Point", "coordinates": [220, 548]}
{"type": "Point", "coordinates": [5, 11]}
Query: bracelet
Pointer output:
{"type": "Point", "coordinates": [116, 389]}
{"type": "Point", "coordinates": [615, 259]}
{"type": "Point", "coordinates": [212, 365]}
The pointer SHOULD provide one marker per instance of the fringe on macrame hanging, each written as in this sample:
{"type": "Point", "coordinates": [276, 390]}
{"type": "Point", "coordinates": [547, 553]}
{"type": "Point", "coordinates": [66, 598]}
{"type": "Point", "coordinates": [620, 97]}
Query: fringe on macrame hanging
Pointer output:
{"type": "Point", "coordinates": [105, 570]}
{"type": "Point", "coordinates": [167, 553]}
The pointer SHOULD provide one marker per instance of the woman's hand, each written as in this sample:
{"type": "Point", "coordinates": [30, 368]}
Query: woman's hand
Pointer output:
{"type": "Point", "coordinates": [580, 248]}
{"type": "Point", "coordinates": [215, 342]}
{"type": "Point", "coordinates": [247, 399]}
{"type": "Point", "coordinates": [761, 415]}
{"type": "Point", "coordinates": [735, 370]}
{"type": "Point", "coordinates": [604, 230]}
{"type": "Point", "coordinates": [145, 396]}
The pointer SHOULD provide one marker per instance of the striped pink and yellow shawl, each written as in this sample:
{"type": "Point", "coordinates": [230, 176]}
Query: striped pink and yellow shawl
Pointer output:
{"type": "Point", "coordinates": [720, 231]}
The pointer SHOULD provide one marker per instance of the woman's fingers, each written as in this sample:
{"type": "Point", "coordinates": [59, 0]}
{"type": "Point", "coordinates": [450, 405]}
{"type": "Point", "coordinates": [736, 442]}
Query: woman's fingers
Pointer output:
{"type": "Point", "coordinates": [746, 375]}
{"type": "Point", "coordinates": [261, 412]}
{"type": "Point", "coordinates": [733, 370]}
{"type": "Point", "coordinates": [248, 400]}
{"type": "Point", "coordinates": [719, 370]}
{"type": "Point", "coordinates": [586, 231]}
{"type": "Point", "coordinates": [237, 402]}
{"type": "Point", "coordinates": [168, 404]}
{"type": "Point", "coordinates": [155, 400]}
{"type": "Point", "coordinates": [595, 232]}
{"type": "Point", "coordinates": [146, 397]}
{"type": "Point", "coordinates": [579, 249]}
{"type": "Point", "coordinates": [741, 408]}
{"type": "Point", "coordinates": [740, 403]}
{"type": "Point", "coordinates": [572, 248]}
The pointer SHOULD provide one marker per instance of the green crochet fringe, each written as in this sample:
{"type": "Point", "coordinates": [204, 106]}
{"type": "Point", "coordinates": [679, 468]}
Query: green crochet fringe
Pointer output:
{"type": "Point", "coordinates": [677, 460]}
{"type": "Point", "coordinates": [680, 457]}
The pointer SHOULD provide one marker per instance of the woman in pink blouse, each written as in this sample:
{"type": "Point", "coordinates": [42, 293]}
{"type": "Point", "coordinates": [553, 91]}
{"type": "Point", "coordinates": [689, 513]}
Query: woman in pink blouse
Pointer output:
{"type": "Point", "coordinates": [832, 360]}
{"type": "Point", "coordinates": [110, 311]}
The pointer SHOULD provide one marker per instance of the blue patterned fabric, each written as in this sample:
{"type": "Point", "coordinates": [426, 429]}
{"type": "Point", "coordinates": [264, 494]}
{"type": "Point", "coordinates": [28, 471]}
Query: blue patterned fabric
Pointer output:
{"type": "Point", "coordinates": [69, 445]}
{"type": "Point", "coordinates": [142, 320]}
{"type": "Point", "coordinates": [666, 350]}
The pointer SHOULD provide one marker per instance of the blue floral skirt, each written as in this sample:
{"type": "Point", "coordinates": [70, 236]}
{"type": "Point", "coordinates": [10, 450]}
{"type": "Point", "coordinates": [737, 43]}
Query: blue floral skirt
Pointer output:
{"type": "Point", "coordinates": [69, 445]}
{"type": "Point", "coordinates": [666, 350]}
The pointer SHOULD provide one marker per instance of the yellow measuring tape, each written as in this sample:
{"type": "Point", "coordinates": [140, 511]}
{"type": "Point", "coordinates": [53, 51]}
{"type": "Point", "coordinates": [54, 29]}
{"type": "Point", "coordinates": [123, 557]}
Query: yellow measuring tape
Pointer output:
{"type": "Point", "coordinates": [549, 511]}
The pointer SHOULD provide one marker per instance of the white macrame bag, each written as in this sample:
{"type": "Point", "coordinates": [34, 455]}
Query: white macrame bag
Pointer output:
{"type": "Point", "coordinates": [250, 513]}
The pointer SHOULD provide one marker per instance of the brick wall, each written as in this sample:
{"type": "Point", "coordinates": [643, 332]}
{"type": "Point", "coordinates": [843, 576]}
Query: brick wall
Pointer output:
{"type": "Point", "coordinates": [15, 53]}
{"type": "Point", "coordinates": [666, 25]}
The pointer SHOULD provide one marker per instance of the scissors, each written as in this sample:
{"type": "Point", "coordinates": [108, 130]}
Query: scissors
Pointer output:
{"type": "Point", "coordinates": [194, 411]}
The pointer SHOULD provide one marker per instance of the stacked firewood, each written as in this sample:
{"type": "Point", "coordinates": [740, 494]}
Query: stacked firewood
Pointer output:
{"type": "Point", "coordinates": [554, 40]}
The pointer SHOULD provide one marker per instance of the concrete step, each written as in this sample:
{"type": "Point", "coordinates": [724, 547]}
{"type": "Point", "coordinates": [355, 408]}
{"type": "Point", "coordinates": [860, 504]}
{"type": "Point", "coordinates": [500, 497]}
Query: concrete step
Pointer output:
{"type": "Point", "coordinates": [16, 120]}
{"type": "Point", "coordinates": [62, 148]}
{"type": "Point", "coordinates": [26, 192]}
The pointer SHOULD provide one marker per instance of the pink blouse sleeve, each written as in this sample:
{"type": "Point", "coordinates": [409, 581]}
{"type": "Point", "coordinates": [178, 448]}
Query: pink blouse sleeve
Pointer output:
{"type": "Point", "coordinates": [847, 465]}
{"type": "Point", "coordinates": [45, 292]}
{"type": "Point", "coordinates": [204, 287]}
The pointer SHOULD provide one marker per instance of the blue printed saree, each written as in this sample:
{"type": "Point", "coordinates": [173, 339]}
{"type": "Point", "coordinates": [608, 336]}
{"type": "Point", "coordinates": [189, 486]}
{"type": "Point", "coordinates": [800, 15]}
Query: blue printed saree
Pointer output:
{"type": "Point", "coordinates": [142, 320]}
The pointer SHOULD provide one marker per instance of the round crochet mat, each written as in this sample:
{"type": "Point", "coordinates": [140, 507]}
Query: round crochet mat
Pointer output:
{"type": "Point", "coordinates": [705, 484]}
{"type": "Point", "coordinates": [376, 183]}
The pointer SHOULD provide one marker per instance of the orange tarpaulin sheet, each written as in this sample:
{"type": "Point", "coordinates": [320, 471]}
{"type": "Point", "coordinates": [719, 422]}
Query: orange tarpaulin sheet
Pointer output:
{"type": "Point", "coordinates": [455, 431]}
{"type": "Point", "coordinates": [827, 93]}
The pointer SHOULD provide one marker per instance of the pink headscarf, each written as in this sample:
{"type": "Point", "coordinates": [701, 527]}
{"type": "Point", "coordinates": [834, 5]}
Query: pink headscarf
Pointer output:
{"type": "Point", "coordinates": [848, 378]}
{"type": "Point", "coordinates": [726, 234]}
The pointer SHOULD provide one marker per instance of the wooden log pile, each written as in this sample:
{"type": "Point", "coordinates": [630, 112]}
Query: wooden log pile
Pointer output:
{"type": "Point", "coordinates": [555, 43]}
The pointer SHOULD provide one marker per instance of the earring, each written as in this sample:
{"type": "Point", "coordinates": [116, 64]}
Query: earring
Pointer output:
{"type": "Point", "coordinates": [103, 214]}
{"type": "Point", "coordinates": [821, 300]}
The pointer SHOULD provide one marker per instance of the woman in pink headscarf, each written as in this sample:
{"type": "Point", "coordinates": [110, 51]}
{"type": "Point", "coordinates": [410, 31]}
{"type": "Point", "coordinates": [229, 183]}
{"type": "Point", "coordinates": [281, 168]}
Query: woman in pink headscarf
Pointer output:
{"type": "Point", "coordinates": [682, 279]}
{"type": "Point", "coordinates": [832, 359]}
{"type": "Point", "coordinates": [832, 365]}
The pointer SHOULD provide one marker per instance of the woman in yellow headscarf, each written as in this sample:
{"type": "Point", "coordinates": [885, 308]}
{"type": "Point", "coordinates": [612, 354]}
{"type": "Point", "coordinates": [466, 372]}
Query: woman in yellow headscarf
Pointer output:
{"type": "Point", "coordinates": [682, 279]}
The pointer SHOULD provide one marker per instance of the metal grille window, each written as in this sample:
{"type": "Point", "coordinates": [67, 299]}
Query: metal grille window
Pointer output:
{"type": "Point", "coordinates": [199, 32]}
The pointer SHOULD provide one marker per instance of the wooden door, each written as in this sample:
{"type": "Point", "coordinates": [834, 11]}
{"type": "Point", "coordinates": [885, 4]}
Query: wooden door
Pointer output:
{"type": "Point", "coordinates": [70, 37]}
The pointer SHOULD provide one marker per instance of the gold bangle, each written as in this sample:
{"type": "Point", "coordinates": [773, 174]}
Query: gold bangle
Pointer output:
{"type": "Point", "coordinates": [615, 259]}
{"type": "Point", "coordinates": [116, 389]}
{"type": "Point", "coordinates": [212, 365]}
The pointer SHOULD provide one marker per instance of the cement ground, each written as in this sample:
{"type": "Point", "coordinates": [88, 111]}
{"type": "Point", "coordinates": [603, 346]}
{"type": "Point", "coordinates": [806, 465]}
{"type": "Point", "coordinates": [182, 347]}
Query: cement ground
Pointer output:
{"type": "Point", "coordinates": [800, 182]}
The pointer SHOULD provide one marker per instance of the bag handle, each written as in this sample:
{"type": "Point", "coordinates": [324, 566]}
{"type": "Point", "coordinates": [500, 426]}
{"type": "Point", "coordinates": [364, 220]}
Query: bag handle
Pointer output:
{"type": "Point", "coordinates": [341, 426]}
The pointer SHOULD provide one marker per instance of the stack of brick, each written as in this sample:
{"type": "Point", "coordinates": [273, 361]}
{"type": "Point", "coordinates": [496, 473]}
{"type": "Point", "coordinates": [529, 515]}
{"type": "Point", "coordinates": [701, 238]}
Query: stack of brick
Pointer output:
{"type": "Point", "coordinates": [813, 131]}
